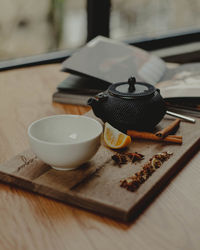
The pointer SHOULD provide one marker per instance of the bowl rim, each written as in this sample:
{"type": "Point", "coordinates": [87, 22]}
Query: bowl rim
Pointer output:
{"type": "Point", "coordinates": [64, 143]}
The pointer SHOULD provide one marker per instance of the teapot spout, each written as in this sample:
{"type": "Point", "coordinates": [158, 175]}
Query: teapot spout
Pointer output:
{"type": "Point", "coordinates": [96, 107]}
{"type": "Point", "coordinates": [91, 101]}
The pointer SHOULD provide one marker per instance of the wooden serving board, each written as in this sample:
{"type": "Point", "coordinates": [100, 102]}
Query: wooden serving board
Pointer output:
{"type": "Point", "coordinates": [96, 185]}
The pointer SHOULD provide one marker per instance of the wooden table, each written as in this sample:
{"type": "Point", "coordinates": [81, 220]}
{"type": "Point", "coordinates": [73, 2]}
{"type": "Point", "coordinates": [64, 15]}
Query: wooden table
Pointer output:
{"type": "Point", "coordinates": [30, 221]}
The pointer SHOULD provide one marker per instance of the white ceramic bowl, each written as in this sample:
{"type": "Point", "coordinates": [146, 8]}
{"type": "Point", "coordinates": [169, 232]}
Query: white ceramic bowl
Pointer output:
{"type": "Point", "coordinates": [65, 141]}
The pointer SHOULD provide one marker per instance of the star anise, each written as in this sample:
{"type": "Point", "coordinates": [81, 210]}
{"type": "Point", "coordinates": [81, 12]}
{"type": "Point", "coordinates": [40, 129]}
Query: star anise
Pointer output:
{"type": "Point", "coordinates": [135, 156]}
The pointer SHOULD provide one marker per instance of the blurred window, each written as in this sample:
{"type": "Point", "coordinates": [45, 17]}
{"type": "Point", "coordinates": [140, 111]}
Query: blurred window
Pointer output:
{"type": "Point", "coordinates": [29, 27]}
{"type": "Point", "coordinates": [135, 19]}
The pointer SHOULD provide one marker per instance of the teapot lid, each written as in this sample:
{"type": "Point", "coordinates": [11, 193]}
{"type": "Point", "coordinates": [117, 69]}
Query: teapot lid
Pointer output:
{"type": "Point", "coordinates": [131, 89]}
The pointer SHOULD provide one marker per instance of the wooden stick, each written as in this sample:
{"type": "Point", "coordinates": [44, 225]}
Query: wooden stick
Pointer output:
{"type": "Point", "coordinates": [166, 131]}
{"type": "Point", "coordinates": [153, 137]}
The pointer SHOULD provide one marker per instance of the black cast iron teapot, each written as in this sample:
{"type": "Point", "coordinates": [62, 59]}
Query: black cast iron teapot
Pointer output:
{"type": "Point", "coordinates": [129, 105]}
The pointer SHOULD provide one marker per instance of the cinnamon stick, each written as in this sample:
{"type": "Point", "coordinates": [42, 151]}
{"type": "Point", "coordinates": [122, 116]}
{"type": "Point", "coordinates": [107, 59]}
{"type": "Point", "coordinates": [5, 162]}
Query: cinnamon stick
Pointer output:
{"type": "Point", "coordinates": [172, 138]}
{"type": "Point", "coordinates": [153, 137]}
{"type": "Point", "coordinates": [169, 129]}
{"type": "Point", "coordinates": [176, 136]}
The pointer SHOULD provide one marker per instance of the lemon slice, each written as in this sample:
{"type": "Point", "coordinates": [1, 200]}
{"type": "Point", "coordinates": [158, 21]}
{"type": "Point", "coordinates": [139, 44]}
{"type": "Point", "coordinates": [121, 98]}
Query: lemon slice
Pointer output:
{"type": "Point", "coordinates": [114, 138]}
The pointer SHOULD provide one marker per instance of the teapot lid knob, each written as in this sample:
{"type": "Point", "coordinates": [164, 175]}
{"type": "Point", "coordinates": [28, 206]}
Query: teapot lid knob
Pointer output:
{"type": "Point", "coordinates": [131, 89]}
{"type": "Point", "coordinates": [131, 82]}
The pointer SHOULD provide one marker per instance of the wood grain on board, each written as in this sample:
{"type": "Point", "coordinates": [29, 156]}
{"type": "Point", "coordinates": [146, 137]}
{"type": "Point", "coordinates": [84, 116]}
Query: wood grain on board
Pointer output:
{"type": "Point", "coordinates": [96, 184]}
{"type": "Point", "coordinates": [30, 221]}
